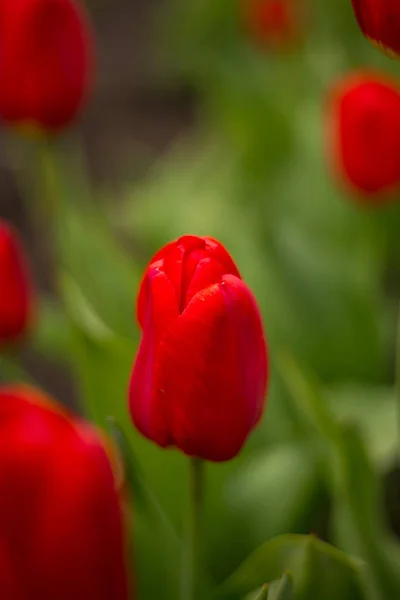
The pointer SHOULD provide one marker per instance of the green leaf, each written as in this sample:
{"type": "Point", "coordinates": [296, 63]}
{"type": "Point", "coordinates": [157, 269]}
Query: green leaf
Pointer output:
{"type": "Point", "coordinates": [374, 410]}
{"type": "Point", "coordinates": [263, 594]}
{"type": "Point", "coordinates": [320, 571]}
{"type": "Point", "coordinates": [309, 398]}
{"type": "Point", "coordinates": [359, 521]}
{"type": "Point", "coordinates": [397, 389]}
{"type": "Point", "coordinates": [142, 496]}
{"type": "Point", "coordinates": [359, 504]}
{"type": "Point", "coordinates": [11, 371]}
{"type": "Point", "coordinates": [132, 472]}
{"type": "Point", "coordinates": [85, 246]}
{"type": "Point", "coordinates": [52, 334]}
{"type": "Point", "coordinates": [273, 490]}
{"type": "Point", "coordinates": [286, 589]}
{"type": "Point", "coordinates": [106, 277]}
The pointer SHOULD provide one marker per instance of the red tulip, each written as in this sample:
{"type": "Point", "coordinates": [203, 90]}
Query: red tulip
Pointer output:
{"type": "Point", "coordinates": [273, 23]}
{"type": "Point", "coordinates": [45, 62]}
{"type": "Point", "coordinates": [16, 297]}
{"type": "Point", "coordinates": [199, 379]}
{"type": "Point", "coordinates": [364, 134]}
{"type": "Point", "coordinates": [61, 532]}
{"type": "Point", "coordinates": [379, 21]}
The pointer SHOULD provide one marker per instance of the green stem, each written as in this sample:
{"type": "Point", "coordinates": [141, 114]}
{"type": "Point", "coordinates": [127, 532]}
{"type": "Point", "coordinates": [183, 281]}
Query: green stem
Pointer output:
{"type": "Point", "coordinates": [397, 377]}
{"type": "Point", "coordinates": [193, 560]}
{"type": "Point", "coordinates": [11, 370]}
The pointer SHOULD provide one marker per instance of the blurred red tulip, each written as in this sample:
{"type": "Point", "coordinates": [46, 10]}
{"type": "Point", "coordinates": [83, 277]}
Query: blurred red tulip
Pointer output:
{"type": "Point", "coordinates": [16, 294]}
{"type": "Point", "coordinates": [379, 20]}
{"type": "Point", "coordinates": [45, 62]}
{"type": "Point", "coordinates": [61, 532]}
{"type": "Point", "coordinates": [200, 376]}
{"type": "Point", "coordinates": [364, 134]}
{"type": "Point", "coordinates": [273, 23]}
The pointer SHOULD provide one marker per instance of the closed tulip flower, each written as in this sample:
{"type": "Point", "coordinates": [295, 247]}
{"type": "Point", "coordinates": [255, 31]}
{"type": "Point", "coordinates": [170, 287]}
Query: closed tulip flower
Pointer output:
{"type": "Point", "coordinates": [364, 134]}
{"type": "Point", "coordinates": [16, 295]}
{"type": "Point", "coordinates": [200, 375]}
{"type": "Point", "coordinates": [379, 20]}
{"type": "Point", "coordinates": [274, 24]}
{"type": "Point", "coordinates": [45, 62]}
{"type": "Point", "coordinates": [61, 530]}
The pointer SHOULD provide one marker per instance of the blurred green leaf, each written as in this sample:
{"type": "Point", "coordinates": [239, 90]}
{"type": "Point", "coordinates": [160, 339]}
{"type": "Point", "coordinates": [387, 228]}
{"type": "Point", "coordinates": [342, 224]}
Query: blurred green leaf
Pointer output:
{"type": "Point", "coordinates": [273, 490]}
{"type": "Point", "coordinates": [320, 571]}
{"type": "Point", "coordinates": [142, 496]}
{"type": "Point", "coordinates": [132, 472]}
{"type": "Point", "coordinates": [107, 279]}
{"type": "Point", "coordinates": [374, 411]}
{"type": "Point", "coordinates": [285, 590]}
{"type": "Point", "coordinates": [52, 334]}
{"type": "Point", "coordinates": [263, 595]}
{"type": "Point", "coordinates": [397, 375]}
{"type": "Point", "coordinates": [11, 370]}
{"type": "Point", "coordinates": [360, 504]}
{"type": "Point", "coordinates": [359, 521]}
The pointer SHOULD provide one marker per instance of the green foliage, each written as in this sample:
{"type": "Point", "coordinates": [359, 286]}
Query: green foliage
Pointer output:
{"type": "Point", "coordinates": [319, 570]}
{"type": "Point", "coordinates": [285, 588]}
{"type": "Point", "coordinates": [359, 522]}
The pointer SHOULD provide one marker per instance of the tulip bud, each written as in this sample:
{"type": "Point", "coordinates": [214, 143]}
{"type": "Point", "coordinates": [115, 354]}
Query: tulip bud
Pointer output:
{"type": "Point", "coordinates": [200, 375]}
{"type": "Point", "coordinates": [364, 134]}
{"type": "Point", "coordinates": [45, 62]}
{"type": "Point", "coordinates": [379, 20]}
{"type": "Point", "coordinates": [61, 532]}
{"type": "Point", "coordinates": [274, 24]}
{"type": "Point", "coordinates": [15, 289]}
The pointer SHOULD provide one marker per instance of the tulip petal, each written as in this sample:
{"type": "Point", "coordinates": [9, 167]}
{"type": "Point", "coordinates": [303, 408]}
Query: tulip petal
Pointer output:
{"type": "Point", "coordinates": [16, 303]}
{"type": "Point", "coordinates": [207, 272]}
{"type": "Point", "coordinates": [212, 372]}
{"type": "Point", "coordinates": [217, 251]}
{"type": "Point", "coordinates": [179, 261]}
{"type": "Point", "coordinates": [379, 21]}
{"type": "Point", "coordinates": [60, 517]}
{"type": "Point", "coordinates": [9, 581]}
{"type": "Point", "coordinates": [161, 311]}
{"type": "Point", "coordinates": [81, 497]}
{"type": "Point", "coordinates": [45, 61]}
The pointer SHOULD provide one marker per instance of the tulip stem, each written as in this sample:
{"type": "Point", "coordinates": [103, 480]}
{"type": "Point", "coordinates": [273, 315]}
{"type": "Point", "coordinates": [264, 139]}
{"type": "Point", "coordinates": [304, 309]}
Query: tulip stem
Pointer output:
{"type": "Point", "coordinates": [193, 559]}
{"type": "Point", "coordinates": [397, 377]}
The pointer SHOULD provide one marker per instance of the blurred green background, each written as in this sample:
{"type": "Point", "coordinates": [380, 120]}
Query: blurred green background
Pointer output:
{"type": "Point", "coordinates": [194, 128]}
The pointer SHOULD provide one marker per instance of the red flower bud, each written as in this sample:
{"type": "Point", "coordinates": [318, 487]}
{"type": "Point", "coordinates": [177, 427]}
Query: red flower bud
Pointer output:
{"type": "Point", "coordinates": [364, 134]}
{"type": "Point", "coordinates": [200, 376]}
{"type": "Point", "coordinates": [16, 302]}
{"type": "Point", "coordinates": [273, 23]}
{"type": "Point", "coordinates": [379, 20]}
{"type": "Point", "coordinates": [45, 63]}
{"type": "Point", "coordinates": [61, 532]}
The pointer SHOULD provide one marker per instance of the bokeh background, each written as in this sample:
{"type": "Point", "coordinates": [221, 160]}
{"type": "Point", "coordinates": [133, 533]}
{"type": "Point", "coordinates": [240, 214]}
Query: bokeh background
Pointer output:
{"type": "Point", "coordinates": [195, 127]}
